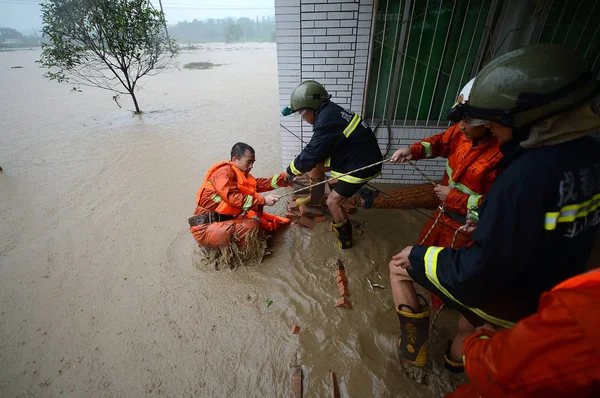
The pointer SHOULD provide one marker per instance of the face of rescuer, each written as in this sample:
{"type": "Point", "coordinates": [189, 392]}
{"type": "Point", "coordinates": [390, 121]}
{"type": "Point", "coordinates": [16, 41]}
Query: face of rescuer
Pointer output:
{"type": "Point", "coordinates": [308, 115]}
{"type": "Point", "coordinates": [245, 163]}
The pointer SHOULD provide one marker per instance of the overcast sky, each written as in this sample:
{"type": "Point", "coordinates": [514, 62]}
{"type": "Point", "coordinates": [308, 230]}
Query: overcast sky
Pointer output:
{"type": "Point", "coordinates": [24, 15]}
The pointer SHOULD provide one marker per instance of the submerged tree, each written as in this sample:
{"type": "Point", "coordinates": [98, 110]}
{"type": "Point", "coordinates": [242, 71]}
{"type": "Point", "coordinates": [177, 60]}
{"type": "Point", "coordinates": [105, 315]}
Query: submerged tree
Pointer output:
{"type": "Point", "coordinates": [233, 32]}
{"type": "Point", "coordinates": [109, 44]}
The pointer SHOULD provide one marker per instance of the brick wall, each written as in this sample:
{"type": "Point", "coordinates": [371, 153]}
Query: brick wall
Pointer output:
{"type": "Point", "coordinates": [329, 41]}
{"type": "Point", "coordinates": [403, 137]}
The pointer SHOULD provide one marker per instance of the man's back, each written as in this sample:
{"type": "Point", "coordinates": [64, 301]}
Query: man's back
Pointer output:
{"type": "Point", "coordinates": [522, 242]}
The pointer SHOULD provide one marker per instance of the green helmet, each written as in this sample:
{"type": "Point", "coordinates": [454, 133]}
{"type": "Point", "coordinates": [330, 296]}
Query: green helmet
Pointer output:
{"type": "Point", "coordinates": [530, 84]}
{"type": "Point", "coordinates": [309, 94]}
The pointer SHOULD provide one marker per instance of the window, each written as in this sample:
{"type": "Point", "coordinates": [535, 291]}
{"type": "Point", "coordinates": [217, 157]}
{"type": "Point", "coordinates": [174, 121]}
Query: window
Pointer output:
{"type": "Point", "coordinates": [424, 52]}
{"type": "Point", "coordinates": [574, 25]}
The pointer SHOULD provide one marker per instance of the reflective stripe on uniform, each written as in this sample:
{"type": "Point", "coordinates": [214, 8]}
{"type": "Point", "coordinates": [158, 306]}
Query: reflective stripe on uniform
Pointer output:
{"type": "Point", "coordinates": [216, 198]}
{"type": "Point", "coordinates": [431, 257]}
{"type": "Point", "coordinates": [328, 162]}
{"type": "Point", "coordinates": [571, 212]}
{"type": "Point", "coordinates": [473, 201]}
{"type": "Point", "coordinates": [247, 203]}
{"type": "Point", "coordinates": [350, 179]}
{"type": "Point", "coordinates": [274, 181]}
{"type": "Point", "coordinates": [294, 169]}
{"type": "Point", "coordinates": [427, 147]}
{"type": "Point", "coordinates": [474, 196]}
{"type": "Point", "coordinates": [352, 125]}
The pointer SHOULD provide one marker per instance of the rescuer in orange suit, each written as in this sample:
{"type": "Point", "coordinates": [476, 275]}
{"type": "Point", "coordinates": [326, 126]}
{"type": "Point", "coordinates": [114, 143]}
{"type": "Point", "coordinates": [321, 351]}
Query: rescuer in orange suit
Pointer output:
{"type": "Point", "coordinates": [472, 154]}
{"type": "Point", "coordinates": [552, 353]}
{"type": "Point", "coordinates": [228, 204]}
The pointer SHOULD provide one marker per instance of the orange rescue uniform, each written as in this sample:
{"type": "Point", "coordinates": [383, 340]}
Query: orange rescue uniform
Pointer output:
{"type": "Point", "coordinates": [552, 353]}
{"type": "Point", "coordinates": [228, 191]}
{"type": "Point", "coordinates": [469, 171]}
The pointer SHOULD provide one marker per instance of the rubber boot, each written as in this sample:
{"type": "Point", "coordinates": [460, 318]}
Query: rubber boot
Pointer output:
{"type": "Point", "coordinates": [451, 365]}
{"type": "Point", "coordinates": [343, 231]}
{"type": "Point", "coordinates": [414, 338]}
{"type": "Point", "coordinates": [368, 196]}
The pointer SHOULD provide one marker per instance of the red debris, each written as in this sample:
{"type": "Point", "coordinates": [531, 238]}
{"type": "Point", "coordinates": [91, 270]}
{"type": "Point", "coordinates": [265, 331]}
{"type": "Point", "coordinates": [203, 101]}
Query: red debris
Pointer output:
{"type": "Point", "coordinates": [311, 211]}
{"type": "Point", "coordinates": [343, 302]}
{"type": "Point", "coordinates": [343, 289]}
{"type": "Point", "coordinates": [295, 329]}
{"type": "Point", "coordinates": [306, 222]}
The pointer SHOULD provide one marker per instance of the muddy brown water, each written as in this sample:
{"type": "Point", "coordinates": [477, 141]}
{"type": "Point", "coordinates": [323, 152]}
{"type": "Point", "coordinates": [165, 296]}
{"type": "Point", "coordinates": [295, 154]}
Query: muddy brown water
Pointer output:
{"type": "Point", "coordinates": [102, 290]}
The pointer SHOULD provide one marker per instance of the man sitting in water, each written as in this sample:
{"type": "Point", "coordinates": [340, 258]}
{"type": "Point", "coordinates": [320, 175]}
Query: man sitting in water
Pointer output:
{"type": "Point", "coordinates": [228, 204]}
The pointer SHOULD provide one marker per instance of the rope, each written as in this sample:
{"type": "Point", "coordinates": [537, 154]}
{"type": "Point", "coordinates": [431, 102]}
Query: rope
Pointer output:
{"type": "Point", "coordinates": [434, 224]}
{"type": "Point", "coordinates": [392, 197]}
{"type": "Point", "coordinates": [335, 178]}
{"type": "Point", "coordinates": [423, 174]}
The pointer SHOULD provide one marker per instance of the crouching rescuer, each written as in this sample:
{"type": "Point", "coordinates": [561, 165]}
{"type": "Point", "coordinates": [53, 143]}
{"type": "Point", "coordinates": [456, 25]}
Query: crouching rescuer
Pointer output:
{"type": "Point", "coordinates": [228, 205]}
{"type": "Point", "coordinates": [342, 142]}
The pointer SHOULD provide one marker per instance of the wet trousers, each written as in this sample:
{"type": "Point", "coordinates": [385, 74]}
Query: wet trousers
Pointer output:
{"type": "Point", "coordinates": [222, 234]}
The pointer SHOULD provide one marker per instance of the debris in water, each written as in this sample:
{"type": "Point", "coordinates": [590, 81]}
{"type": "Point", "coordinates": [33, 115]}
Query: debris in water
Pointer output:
{"type": "Point", "coordinates": [268, 302]}
{"type": "Point", "coordinates": [200, 65]}
{"type": "Point", "coordinates": [17, 67]}
{"type": "Point", "coordinates": [296, 382]}
{"type": "Point", "coordinates": [306, 222]}
{"type": "Point", "coordinates": [343, 288]}
{"type": "Point", "coordinates": [343, 302]}
{"type": "Point", "coordinates": [375, 285]}
{"type": "Point", "coordinates": [342, 283]}
{"type": "Point", "coordinates": [334, 385]}
{"type": "Point", "coordinates": [295, 329]}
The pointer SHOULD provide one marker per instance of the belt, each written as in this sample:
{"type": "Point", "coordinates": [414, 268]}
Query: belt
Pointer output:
{"type": "Point", "coordinates": [456, 217]}
{"type": "Point", "coordinates": [208, 218]}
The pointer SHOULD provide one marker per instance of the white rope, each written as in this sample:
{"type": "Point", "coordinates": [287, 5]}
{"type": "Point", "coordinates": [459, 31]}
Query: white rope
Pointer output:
{"type": "Point", "coordinates": [434, 223]}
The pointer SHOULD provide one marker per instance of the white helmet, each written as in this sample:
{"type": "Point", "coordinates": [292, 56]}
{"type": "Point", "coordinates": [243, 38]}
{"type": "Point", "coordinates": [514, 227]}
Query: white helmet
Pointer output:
{"type": "Point", "coordinates": [457, 114]}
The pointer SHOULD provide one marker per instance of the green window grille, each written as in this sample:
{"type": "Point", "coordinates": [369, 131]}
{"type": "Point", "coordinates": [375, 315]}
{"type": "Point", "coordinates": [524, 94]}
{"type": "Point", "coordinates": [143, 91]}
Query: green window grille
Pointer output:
{"type": "Point", "coordinates": [424, 52]}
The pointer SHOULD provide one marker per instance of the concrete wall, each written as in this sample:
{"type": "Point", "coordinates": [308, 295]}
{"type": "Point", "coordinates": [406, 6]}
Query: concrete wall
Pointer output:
{"type": "Point", "coordinates": [329, 41]}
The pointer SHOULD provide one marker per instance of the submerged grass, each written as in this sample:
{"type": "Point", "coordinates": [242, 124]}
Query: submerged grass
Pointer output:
{"type": "Point", "coordinates": [200, 65]}
{"type": "Point", "coordinates": [234, 256]}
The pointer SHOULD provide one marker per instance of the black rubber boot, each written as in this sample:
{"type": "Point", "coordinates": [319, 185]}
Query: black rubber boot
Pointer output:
{"type": "Point", "coordinates": [414, 338]}
{"type": "Point", "coordinates": [343, 231]}
{"type": "Point", "coordinates": [451, 365]}
{"type": "Point", "coordinates": [368, 196]}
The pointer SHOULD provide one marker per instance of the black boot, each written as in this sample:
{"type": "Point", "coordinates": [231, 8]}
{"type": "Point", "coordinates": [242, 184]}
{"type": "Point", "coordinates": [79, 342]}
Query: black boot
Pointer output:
{"type": "Point", "coordinates": [343, 232]}
{"type": "Point", "coordinates": [414, 337]}
{"type": "Point", "coordinates": [450, 364]}
{"type": "Point", "coordinates": [368, 196]}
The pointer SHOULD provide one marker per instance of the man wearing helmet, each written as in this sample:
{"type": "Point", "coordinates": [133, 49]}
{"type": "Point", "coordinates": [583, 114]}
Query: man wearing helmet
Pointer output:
{"type": "Point", "coordinates": [539, 219]}
{"type": "Point", "coordinates": [343, 141]}
{"type": "Point", "coordinates": [472, 154]}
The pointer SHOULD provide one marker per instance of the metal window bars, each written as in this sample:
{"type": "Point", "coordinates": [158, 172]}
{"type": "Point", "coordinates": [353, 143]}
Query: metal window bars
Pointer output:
{"type": "Point", "coordinates": [409, 80]}
{"type": "Point", "coordinates": [423, 52]}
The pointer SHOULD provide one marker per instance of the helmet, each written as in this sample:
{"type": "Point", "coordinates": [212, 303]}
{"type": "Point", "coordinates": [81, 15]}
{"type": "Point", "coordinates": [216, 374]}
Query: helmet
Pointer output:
{"type": "Point", "coordinates": [457, 113]}
{"type": "Point", "coordinates": [530, 84]}
{"type": "Point", "coordinates": [309, 94]}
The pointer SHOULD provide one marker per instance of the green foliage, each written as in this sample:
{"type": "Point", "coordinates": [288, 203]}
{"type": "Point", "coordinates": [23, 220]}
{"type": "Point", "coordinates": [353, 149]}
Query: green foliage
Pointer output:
{"type": "Point", "coordinates": [109, 44]}
{"type": "Point", "coordinates": [214, 30]}
{"type": "Point", "coordinates": [233, 32]}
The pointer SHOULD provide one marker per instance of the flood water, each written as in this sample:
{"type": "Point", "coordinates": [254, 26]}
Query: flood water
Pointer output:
{"type": "Point", "coordinates": [102, 289]}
